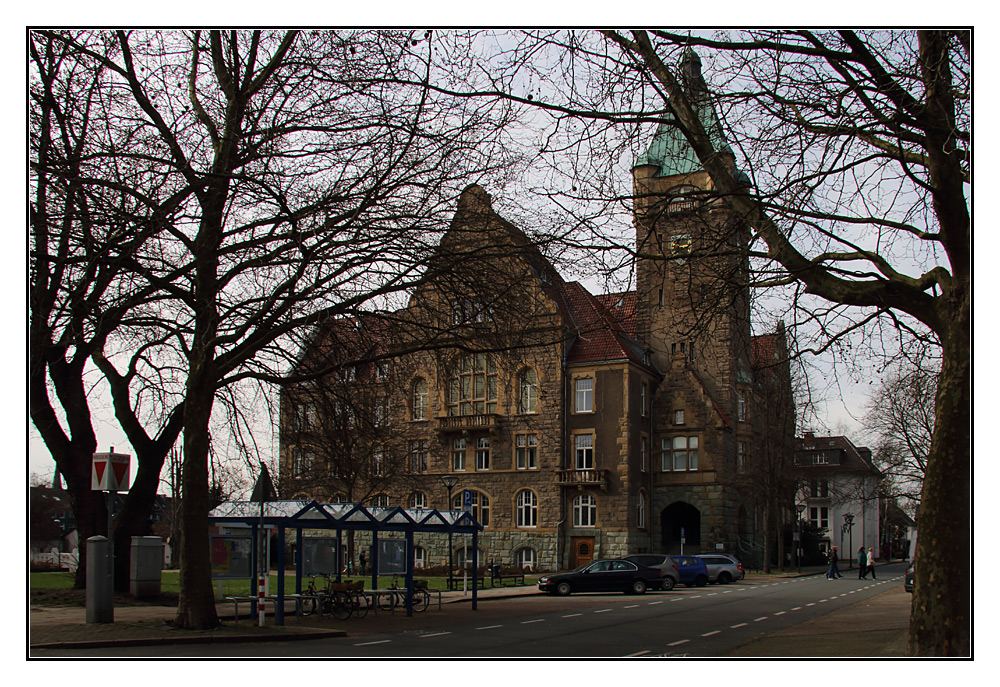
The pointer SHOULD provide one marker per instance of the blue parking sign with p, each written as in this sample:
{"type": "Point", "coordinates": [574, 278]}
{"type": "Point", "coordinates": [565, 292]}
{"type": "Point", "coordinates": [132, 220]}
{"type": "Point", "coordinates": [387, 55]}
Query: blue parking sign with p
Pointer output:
{"type": "Point", "coordinates": [467, 500]}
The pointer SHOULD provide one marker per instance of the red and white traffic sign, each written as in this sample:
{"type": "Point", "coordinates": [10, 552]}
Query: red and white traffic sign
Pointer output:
{"type": "Point", "coordinates": [110, 472]}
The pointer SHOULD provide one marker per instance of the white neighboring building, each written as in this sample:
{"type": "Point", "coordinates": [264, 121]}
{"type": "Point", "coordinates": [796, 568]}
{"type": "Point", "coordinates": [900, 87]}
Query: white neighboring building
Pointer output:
{"type": "Point", "coordinates": [838, 480]}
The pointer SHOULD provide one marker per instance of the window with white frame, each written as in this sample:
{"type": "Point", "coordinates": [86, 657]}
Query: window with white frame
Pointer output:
{"type": "Point", "coordinates": [528, 391]}
{"type": "Point", "coordinates": [741, 455]}
{"type": "Point", "coordinates": [644, 453]}
{"type": "Point", "coordinates": [820, 517]}
{"type": "Point", "coordinates": [469, 310]}
{"type": "Point", "coordinates": [585, 511]}
{"type": "Point", "coordinates": [644, 399]}
{"type": "Point", "coordinates": [640, 511]}
{"type": "Point", "coordinates": [418, 499]}
{"type": "Point", "coordinates": [584, 451]}
{"type": "Point", "coordinates": [298, 462]}
{"type": "Point", "coordinates": [458, 454]}
{"type": "Point", "coordinates": [741, 406]}
{"type": "Point", "coordinates": [420, 399]}
{"type": "Point", "coordinates": [526, 451]}
{"type": "Point", "coordinates": [678, 417]}
{"type": "Point", "coordinates": [480, 506]}
{"type": "Point", "coordinates": [584, 395]}
{"type": "Point", "coordinates": [419, 557]}
{"type": "Point", "coordinates": [473, 386]}
{"type": "Point", "coordinates": [483, 453]}
{"type": "Point", "coordinates": [418, 455]}
{"type": "Point", "coordinates": [526, 507]}
{"type": "Point", "coordinates": [381, 370]}
{"type": "Point", "coordinates": [381, 411]}
{"type": "Point", "coordinates": [378, 461]}
{"type": "Point", "coordinates": [381, 501]}
{"type": "Point", "coordinates": [679, 454]}
{"type": "Point", "coordinates": [525, 558]}
{"type": "Point", "coordinates": [819, 488]}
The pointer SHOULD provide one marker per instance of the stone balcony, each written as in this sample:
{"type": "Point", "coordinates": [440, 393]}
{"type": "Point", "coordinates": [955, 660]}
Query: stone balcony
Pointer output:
{"type": "Point", "coordinates": [582, 478]}
{"type": "Point", "coordinates": [456, 424]}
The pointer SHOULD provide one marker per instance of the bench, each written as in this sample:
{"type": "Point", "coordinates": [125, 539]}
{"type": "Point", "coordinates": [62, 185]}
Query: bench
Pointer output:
{"type": "Point", "coordinates": [498, 577]}
{"type": "Point", "coordinates": [457, 583]}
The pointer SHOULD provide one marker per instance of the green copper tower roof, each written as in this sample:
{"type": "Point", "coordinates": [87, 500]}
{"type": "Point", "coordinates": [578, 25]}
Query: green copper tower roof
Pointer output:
{"type": "Point", "coordinates": [669, 150]}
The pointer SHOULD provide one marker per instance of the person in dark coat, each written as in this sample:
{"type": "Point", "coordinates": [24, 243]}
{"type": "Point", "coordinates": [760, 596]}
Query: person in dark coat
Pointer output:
{"type": "Point", "coordinates": [833, 573]}
{"type": "Point", "coordinates": [862, 563]}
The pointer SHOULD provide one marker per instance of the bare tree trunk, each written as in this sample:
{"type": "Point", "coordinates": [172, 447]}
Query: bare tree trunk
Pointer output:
{"type": "Point", "coordinates": [940, 620]}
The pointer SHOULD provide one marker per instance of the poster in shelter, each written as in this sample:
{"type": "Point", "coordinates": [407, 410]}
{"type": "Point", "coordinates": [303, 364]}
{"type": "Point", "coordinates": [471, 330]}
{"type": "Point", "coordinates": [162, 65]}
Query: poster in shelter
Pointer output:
{"type": "Point", "coordinates": [230, 557]}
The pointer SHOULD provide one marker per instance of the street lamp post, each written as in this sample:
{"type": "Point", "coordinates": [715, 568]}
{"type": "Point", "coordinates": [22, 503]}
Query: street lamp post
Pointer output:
{"type": "Point", "coordinates": [449, 482]}
{"type": "Point", "coordinates": [849, 527]}
{"type": "Point", "coordinates": [798, 551]}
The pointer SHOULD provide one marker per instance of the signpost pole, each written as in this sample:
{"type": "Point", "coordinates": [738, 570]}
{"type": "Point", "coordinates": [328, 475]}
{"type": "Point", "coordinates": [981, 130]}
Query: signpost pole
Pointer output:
{"type": "Point", "coordinates": [263, 491]}
{"type": "Point", "coordinates": [108, 473]}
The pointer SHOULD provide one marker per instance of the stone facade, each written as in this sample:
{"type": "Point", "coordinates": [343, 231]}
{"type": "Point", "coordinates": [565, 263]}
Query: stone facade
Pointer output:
{"type": "Point", "coordinates": [586, 426]}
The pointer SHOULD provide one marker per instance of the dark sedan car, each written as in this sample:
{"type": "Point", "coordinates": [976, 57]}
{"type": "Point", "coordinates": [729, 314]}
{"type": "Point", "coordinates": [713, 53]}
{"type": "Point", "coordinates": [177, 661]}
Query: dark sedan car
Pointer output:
{"type": "Point", "coordinates": [614, 575]}
{"type": "Point", "coordinates": [908, 578]}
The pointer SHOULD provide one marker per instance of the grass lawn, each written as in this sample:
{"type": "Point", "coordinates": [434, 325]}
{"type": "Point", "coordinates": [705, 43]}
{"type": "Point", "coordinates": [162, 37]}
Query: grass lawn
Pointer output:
{"type": "Point", "coordinates": [56, 588]}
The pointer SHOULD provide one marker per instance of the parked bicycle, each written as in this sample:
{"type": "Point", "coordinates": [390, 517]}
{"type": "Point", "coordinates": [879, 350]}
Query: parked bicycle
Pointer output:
{"type": "Point", "coordinates": [312, 592]}
{"type": "Point", "coordinates": [346, 599]}
{"type": "Point", "coordinates": [397, 595]}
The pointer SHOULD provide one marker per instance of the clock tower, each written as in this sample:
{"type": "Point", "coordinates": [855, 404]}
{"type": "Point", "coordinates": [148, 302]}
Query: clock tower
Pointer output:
{"type": "Point", "coordinates": [693, 316]}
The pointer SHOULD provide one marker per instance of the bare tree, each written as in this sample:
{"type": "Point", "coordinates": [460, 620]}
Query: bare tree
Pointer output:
{"type": "Point", "coordinates": [856, 147]}
{"type": "Point", "coordinates": [84, 234]}
{"type": "Point", "coordinates": [901, 420]}
{"type": "Point", "coordinates": [295, 176]}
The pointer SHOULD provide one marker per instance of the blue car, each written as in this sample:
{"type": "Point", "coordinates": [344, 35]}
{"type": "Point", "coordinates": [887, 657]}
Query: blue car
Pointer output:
{"type": "Point", "coordinates": [692, 570]}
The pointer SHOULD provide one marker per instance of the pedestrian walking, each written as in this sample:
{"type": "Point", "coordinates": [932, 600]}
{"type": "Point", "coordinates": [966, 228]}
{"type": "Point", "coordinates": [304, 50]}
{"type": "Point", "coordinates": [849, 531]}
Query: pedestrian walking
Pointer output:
{"type": "Point", "coordinates": [871, 562]}
{"type": "Point", "coordinates": [862, 563]}
{"type": "Point", "coordinates": [833, 573]}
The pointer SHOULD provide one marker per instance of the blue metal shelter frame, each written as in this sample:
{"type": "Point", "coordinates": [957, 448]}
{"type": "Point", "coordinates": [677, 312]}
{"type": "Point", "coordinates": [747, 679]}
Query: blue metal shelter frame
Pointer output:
{"type": "Point", "coordinates": [310, 515]}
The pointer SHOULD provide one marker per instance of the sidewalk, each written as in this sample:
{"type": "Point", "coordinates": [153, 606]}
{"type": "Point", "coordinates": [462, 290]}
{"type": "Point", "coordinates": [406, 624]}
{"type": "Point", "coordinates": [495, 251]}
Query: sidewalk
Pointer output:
{"type": "Point", "coordinates": [65, 627]}
{"type": "Point", "coordinates": [875, 627]}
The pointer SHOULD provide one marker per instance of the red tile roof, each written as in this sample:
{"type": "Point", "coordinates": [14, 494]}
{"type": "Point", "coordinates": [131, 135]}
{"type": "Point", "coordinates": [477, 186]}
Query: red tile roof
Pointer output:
{"type": "Point", "coordinates": [600, 333]}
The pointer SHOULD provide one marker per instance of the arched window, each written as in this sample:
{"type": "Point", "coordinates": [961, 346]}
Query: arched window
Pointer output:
{"type": "Point", "coordinates": [420, 399]}
{"type": "Point", "coordinates": [526, 508]}
{"type": "Point", "coordinates": [380, 501]}
{"type": "Point", "coordinates": [528, 391]}
{"type": "Point", "coordinates": [640, 511]}
{"type": "Point", "coordinates": [480, 506]}
{"type": "Point", "coordinates": [584, 511]}
{"type": "Point", "coordinates": [418, 500]}
{"type": "Point", "coordinates": [525, 558]}
{"type": "Point", "coordinates": [419, 557]}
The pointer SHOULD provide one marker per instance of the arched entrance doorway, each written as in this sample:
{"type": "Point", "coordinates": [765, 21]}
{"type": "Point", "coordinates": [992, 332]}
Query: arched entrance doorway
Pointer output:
{"type": "Point", "coordinates": [676, 517]}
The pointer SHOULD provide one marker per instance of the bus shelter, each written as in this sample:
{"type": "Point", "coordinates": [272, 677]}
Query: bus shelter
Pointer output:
{"type": "Point", "coordinates": [310, 515]}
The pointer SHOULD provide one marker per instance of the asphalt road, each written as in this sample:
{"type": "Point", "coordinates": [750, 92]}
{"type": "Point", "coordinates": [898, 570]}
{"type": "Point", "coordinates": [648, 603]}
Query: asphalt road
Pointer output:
{"type": "Point", "coordinates": [707, 621]}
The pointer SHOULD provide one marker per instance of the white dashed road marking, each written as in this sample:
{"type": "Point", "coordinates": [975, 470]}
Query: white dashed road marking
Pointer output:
{"type": "Point", "coordinates": [713, 632]}
{"type": "Point", "coordinates": [678, 642]}
{"type": "Point", "coordinates": [381, 641]}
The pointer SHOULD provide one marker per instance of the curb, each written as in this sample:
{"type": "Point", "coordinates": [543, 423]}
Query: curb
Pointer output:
{"type": "Point", "coordinates": [167, 641]}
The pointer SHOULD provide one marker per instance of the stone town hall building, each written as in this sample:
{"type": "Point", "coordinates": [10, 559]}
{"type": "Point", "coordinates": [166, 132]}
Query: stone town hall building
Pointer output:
{"type": "Point", "coordinates": [585, 425]}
